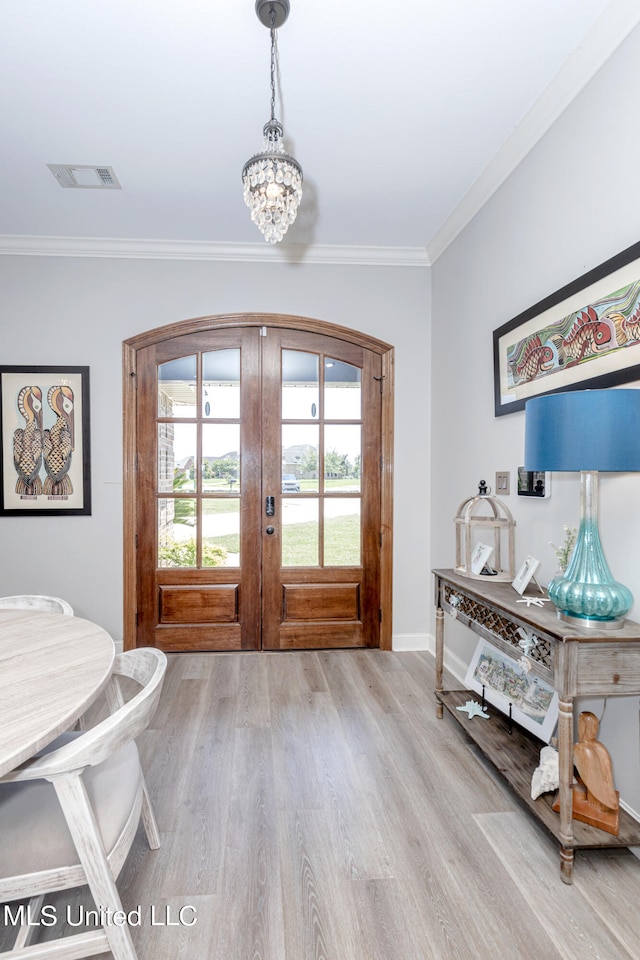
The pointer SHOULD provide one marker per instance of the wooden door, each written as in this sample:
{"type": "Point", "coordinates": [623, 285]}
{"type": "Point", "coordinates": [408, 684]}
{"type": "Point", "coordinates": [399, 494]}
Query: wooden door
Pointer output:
{"type": "Point", "coordinates": [198, 475]}
{"type": "Point", "coordinates": [257, 490]}
{"type": "Point", "coordinates": [321, 465]}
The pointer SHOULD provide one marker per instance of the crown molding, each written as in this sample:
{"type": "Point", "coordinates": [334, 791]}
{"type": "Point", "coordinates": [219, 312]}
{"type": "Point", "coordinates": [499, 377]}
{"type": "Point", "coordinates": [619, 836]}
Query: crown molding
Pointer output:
{"type": "Point", "coordinates": [611, 28]}
{"type": "Point", "coordinates": [105, 247]}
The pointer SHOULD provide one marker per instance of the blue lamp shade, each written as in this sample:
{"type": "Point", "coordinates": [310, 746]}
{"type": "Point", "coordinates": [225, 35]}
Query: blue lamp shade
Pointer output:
{"type": "Point", "coordinates": [583, 430]}
{"type": "Point", "coordinates": [590, 431]}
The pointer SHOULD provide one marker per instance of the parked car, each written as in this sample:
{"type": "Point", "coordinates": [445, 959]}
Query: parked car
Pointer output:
{"type": "Point", "coordinates": [290, 483]}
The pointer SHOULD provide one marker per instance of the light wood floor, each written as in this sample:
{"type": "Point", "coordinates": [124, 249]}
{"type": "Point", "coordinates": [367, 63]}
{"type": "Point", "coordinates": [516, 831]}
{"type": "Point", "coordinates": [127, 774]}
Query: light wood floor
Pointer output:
{"type": "Point", "coordinates": [312, 808]}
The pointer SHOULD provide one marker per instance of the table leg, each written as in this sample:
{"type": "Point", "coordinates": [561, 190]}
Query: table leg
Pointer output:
{"type": "Point", "coordinates": [565, 757]}
{"type": "Point", "coordinates": [566, 865]}
{"type": "Point", "coordinates": [439, 659]}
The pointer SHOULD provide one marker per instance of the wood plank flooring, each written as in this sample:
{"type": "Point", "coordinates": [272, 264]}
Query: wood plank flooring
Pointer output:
{"type": "Point", "coordinates": [312, 808]}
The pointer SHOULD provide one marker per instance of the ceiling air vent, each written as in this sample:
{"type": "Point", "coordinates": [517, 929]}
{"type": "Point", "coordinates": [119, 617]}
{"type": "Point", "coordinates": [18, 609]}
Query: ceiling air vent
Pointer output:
{"type": "Point", "coordinates": [84, 176]}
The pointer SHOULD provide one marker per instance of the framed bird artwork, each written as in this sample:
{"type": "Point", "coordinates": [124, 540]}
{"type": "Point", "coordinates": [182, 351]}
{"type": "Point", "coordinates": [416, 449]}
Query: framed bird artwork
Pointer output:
{"type": "Point", "coordinates": [45, 462]}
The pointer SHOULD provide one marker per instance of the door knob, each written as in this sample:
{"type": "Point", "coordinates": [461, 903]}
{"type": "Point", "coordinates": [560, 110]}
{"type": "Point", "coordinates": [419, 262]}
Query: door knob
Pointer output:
{"type": "Point", "coordinates": [270, 530]}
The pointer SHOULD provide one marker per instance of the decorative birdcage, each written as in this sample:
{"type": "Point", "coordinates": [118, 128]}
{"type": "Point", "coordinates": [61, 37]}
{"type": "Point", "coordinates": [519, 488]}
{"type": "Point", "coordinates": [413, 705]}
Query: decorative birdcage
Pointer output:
{"type": "Point", "coordinates": [485, 537]}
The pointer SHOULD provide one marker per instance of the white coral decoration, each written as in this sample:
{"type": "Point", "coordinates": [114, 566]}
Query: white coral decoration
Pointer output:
{"type": "Point", "coordinates": [528, 640]}
{"type": "Point", "coordinates": [525, 664]}
{"type": "Point", "coordinates": [546, 777]}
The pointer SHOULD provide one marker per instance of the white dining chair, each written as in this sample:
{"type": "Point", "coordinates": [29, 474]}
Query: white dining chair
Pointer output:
{"type": "Point", "coordinates": [28, 601]}
{"type": "Point", "coordinates": [68, 816]}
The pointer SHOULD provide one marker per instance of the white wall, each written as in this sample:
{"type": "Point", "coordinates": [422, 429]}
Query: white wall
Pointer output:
{"type": "Point", "coordinates": [573, 203]}
{"type": "Point", "coordinates": [77, 311]}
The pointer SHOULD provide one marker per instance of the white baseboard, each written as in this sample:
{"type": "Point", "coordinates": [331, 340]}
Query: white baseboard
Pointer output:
{"type": "Point", "coordinates": [456, 666]}
{"type": "Point", "coordinates": [412, 641]}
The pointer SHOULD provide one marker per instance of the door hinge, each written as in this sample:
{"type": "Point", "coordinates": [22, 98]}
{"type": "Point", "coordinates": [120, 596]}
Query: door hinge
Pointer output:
{"type": "Point", "coordinates": [380, 614]}
{"type": "Point", "coordinates": [263, 331]}
{"type": "Point", "coordinates": [137, 617]}
{"type": "Point", "coordinates": [136, 541]}
{"type": "Point", "coordinates": [380, 381]}
{"type": "Point", "coordinates": [381, 538]}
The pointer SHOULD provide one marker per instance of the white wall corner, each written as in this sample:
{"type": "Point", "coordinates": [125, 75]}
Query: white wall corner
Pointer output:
{"type": "Point", "coordinates": [406, 642]}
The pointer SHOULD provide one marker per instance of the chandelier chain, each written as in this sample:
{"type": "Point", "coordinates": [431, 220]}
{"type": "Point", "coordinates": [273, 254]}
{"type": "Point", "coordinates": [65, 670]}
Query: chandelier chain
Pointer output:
{"type": "Point", "coordinates": [273, 65]}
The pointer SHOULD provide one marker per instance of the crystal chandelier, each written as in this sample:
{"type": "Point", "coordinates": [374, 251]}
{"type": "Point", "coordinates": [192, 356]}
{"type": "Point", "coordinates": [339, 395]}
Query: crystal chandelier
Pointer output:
{"type": "Point", "coordinates": [272, 179]}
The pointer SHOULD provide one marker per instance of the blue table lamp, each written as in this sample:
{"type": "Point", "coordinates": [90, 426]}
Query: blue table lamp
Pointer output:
{"type": "Point", "coordinates": [590, 431]}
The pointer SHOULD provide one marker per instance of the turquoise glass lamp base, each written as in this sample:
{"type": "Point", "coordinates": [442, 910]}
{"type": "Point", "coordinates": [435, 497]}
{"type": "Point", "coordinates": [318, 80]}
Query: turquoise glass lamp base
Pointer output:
{"type": "Point", "coordinates": [587, 592]}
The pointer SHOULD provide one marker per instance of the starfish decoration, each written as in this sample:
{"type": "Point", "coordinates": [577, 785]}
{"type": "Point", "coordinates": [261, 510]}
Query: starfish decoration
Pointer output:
{"type": "Point", "coordinates": [473, 708]}
{"type": "Point", "coordinates": [534, 601]}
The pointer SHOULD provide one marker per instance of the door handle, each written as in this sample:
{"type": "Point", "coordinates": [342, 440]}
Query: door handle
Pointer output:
{"type": "Point", "coordinates": [270, 506]}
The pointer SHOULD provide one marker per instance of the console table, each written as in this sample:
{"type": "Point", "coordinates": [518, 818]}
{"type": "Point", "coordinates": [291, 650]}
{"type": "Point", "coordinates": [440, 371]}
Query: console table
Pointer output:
{"type": "Point", "coordinates": [578, 662]}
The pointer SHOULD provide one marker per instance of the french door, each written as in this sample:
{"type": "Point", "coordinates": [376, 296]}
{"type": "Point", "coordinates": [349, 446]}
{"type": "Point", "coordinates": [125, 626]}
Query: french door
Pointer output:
{"type": "Point", "coordinates": [258, 473]}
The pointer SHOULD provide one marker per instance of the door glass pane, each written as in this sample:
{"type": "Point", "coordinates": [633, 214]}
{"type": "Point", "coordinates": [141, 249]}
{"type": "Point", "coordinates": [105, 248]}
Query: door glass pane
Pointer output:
{"type": "Point", "coordinates": [342, 532]}
{"type": "Point", "coordinates": [221, 532]}
{"type": "Point", "coordinates": [300, 532]}
{"type": "Point", "coordinates": [300, 457]}
{"type": "Point", "coordinates": [177, 532]}
{"type": "Point", "coordinates": [220, 457]}
{"type": "Point", "coordinates": [221, 384]}
{"type": "Point", "coordinates": [300, 385]}
{"type": "Point", "coordinates": [342, 457]}
{"type": "Point", "coordinates": [176, 457]}
{"type": "Point", "coordinates": [177, 388]}
{"type": "Point", "coordinates": [342, 390]}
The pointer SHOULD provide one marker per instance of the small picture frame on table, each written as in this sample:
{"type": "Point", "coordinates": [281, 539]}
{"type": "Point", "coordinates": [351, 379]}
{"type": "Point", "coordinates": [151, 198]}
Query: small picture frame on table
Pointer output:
{"type": "Point", "coordinates": [525, 575]}
{"type": "Point", "coordinates": [482, 553]}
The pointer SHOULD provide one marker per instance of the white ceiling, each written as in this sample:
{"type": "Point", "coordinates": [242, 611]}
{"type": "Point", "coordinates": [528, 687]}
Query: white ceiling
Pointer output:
{"type": "Point", "coordinates": [393, 109]}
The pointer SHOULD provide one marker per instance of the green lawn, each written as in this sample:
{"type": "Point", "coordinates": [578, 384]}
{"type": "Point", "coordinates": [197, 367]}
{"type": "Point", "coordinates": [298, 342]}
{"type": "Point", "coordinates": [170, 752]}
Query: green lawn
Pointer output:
{"type": "Point", "coordinates": [300, 543]}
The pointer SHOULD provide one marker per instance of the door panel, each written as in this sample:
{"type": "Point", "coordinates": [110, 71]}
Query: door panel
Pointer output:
{"type": "Point", "coordinates": [198, 520]}
{"type": "Point", "coordinates": [258, 489]}
{"type": "Point", "coordinates": [321, 570]}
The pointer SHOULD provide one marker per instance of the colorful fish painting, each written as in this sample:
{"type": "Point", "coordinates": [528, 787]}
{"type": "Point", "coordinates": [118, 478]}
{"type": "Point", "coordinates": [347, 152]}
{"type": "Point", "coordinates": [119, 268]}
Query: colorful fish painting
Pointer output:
{"type": "Point", "coordinates": [609, 324]}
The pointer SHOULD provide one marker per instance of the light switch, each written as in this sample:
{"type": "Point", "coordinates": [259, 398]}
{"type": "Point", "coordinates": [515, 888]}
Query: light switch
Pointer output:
{"type": "Point", "coordinates": [503, 483]}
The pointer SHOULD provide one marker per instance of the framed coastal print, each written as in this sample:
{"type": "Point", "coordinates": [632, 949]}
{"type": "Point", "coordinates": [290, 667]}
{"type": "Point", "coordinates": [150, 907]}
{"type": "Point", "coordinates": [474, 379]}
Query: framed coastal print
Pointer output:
{"type": "Point", "coordinates": [509, 686]}
{"type": "Point", "coordinates": [585, 335]}
{"type": "Point", "coordinates": [45, 445]}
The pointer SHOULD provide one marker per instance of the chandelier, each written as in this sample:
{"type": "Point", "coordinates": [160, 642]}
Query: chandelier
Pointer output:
{"type": "Point", "coordinates": [272, 179]}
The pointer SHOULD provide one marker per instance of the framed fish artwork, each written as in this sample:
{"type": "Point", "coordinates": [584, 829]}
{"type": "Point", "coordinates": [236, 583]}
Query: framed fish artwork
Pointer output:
{"type": "Point", "coordinates": [584, 336]}
{"type": "Point", "coordinates": [45, 466]}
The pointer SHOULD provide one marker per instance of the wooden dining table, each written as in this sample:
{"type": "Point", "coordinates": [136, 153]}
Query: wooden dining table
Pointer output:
{"type": "Point", "coordinates": [52, 667]}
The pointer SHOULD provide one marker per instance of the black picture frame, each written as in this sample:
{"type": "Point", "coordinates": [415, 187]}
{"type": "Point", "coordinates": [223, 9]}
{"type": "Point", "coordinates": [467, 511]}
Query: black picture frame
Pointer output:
{"type": "Point", "coordinates": [612, 292]}
{"type": "Point", "coordinates": [45, 449]}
